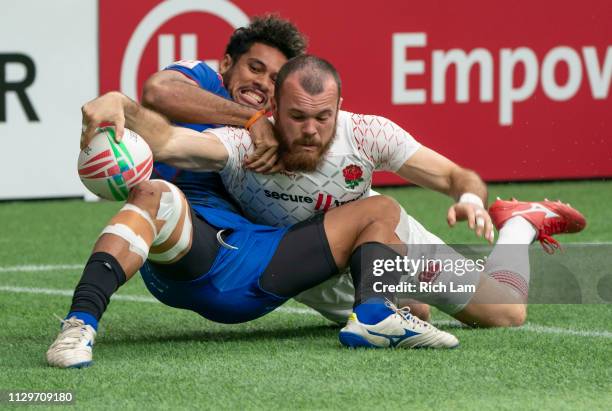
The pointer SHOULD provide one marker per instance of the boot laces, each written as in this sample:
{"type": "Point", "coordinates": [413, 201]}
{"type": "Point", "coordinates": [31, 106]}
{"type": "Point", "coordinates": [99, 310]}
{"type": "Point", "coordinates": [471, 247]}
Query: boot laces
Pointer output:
{"type": "Point", "coordinates": [553, 226]}
{"type": "Point", "coordinates": [75, 331]}
{"type": "Point", "coordinates": [404, 313]}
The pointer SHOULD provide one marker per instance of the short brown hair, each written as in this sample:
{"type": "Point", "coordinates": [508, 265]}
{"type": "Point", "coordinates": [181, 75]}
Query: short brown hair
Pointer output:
{"type": "Point", "coordinates": [315, 71]}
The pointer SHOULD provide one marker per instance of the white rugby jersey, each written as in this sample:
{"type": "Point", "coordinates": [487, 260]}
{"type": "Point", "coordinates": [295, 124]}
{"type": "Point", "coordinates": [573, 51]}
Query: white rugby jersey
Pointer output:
{"type": "Point", "coordinates": [363, 144]}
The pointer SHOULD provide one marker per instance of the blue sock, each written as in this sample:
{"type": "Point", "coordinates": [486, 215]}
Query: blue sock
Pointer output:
{"type": "Point", "coordinates": [87, 318]}
{"type": "Point", "coordinates": [372, 311]}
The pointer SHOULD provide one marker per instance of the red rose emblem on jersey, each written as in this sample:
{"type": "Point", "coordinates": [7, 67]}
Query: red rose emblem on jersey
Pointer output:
{"type": "Point", "coordinates": [352, 175]}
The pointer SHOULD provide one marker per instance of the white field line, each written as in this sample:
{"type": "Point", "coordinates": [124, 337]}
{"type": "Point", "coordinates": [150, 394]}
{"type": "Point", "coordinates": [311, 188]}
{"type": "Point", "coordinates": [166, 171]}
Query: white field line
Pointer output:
{"type": "Point", "coordinates": [57, 267]}
{"type": "Point", "coordinates": [35, 268]}
{"type": "Point", "coordinates": [543, 329]}
{"type": "Point", "coordinates": [123, 297]}
{"type": "Point", "coordinates": [539, 329]}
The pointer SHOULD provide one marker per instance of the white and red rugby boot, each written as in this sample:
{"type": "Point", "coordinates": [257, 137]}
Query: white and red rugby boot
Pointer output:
{"type": "Point", "coordinates": [548, 218]}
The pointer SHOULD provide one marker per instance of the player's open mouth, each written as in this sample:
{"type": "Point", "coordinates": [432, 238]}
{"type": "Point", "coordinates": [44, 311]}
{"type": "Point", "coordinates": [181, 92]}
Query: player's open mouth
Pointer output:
{"type": "Point", "coordinates": [252, 97]}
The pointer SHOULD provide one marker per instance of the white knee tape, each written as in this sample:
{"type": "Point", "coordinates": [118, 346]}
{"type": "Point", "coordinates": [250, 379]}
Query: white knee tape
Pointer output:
{"type": "Point", "coordinates": [137, 244]}
{"type": "Point", "coordinates": [171, 207]}
{"type": "Point", "coordinates": [179, 247]}
{"type": "Point", "coordinates": [170, 210]}
{"type": "Point", "coordinates": [142, 213]}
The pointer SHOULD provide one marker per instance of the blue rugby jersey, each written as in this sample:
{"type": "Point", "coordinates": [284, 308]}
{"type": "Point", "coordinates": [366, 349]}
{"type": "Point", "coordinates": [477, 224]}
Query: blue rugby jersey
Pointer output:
{"type": "Point", "coordinates": [201, 188]}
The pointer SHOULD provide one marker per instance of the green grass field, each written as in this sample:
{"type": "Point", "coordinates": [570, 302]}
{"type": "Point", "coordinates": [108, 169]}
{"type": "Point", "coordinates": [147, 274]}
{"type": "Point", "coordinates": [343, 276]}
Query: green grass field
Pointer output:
{"type": "Point", "coordinates": [155, 357]}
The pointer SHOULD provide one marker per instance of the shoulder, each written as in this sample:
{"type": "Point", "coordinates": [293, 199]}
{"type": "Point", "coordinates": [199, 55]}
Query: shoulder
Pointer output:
{"type": "Point", "coordinates": [233, 137]}
{"type": "Point", "coordinates": [191, 68]}
{"type": "Point", "coordinates": [201, 73]}
{"type": "Point", "coordinates": [359, 127]}
{"type": "Point", "coordinates": [352, 131]}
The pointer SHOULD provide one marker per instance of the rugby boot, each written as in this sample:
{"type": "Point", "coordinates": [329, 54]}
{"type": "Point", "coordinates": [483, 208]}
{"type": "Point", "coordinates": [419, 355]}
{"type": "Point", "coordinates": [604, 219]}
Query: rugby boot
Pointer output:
{"type": "Point", "coordinates": [547, 217]}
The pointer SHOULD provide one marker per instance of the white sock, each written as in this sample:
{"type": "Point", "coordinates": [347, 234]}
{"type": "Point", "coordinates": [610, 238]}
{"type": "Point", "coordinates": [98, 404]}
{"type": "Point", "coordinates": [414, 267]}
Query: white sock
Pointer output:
{"type": "Point", "coordinates": [517, 230]}
{"type": "Point", "coordinates": [508, 263]}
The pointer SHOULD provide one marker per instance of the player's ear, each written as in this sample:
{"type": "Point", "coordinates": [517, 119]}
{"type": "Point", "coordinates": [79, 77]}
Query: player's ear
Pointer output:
{"type": "Point", "coordinates": [340, 100]}
{"type": "Point", "coordinates": [225, 64]}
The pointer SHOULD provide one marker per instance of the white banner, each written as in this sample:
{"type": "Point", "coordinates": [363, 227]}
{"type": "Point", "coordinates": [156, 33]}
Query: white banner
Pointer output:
{"type": "Point", "coordinates": [48, 69]}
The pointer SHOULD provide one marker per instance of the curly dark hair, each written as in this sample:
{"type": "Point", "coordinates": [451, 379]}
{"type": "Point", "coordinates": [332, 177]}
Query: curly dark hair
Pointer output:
{"type": "Point", "coordinates": [270, 30]}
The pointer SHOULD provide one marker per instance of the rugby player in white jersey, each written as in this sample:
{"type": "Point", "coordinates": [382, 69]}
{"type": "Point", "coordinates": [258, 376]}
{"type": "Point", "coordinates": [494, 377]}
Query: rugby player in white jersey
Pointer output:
{"type": "Point", "coordinates": [330, 155]}
{"type": "Point", "coordinates": [209, 259]}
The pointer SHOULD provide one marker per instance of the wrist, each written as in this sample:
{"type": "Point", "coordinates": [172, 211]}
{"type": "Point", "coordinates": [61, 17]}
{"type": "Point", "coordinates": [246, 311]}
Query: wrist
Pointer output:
{"type": "Point", "coordinates": [130, 109]}
{"type": "Point", "coordinates": [471, 198]}
{"type": "Point", "coordinates": [254, 118]}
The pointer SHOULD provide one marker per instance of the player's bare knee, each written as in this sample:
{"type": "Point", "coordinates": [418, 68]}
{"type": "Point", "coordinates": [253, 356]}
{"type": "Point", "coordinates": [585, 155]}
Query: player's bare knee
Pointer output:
{"type": "Point", "coordinates": [388, 208]}
{"type": "Point", "coordinates": [383, 210]}
{"type": "Point", "coordinates": [512, 315]}
{"type": "Point", "coordinates": [516, 316]}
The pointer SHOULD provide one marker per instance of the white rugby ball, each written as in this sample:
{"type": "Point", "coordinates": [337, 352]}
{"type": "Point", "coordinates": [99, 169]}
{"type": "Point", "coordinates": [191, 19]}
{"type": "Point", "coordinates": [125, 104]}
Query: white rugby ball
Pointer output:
{"type": "Point", "coordinates": [110, 169]}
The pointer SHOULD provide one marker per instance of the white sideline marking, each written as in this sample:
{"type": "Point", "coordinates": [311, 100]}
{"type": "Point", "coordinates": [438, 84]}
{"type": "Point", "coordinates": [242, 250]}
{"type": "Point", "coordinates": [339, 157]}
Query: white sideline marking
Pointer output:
{"type": "Point", "coordinates": [34, 268]}
{"type": "Point", "coordinates": [54, 267]}
{"type": "Point", "coordinates": [123, 297]}
{"type": "Point", "coordinates": [556, 330]}
{"type": "Point", "coordinates": [57, 267]}
{"type": "Point", "coordinates": [540, 329]}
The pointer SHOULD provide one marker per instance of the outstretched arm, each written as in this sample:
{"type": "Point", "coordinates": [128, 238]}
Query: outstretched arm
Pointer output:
{"type": "Point", "coordinates": [429, 169]}
{"type": "Point", "coordinates": [182, 99]}
{"type": "Point", "coordinates": [392, 148]}
{"type": "Point", "coordinates": [180, 147]}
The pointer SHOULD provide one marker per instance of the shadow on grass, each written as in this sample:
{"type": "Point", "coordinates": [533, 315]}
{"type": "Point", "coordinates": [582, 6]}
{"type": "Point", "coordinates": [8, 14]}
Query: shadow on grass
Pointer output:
{"type": "Point", "coordinates": [226, 335]}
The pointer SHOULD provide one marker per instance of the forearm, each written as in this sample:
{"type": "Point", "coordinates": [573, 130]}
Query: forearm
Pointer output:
{"type": "Point", "coordinates": [182, 147]}
{"type": "Point", "coordinates": [153, 127]}
{"type": "Point", "coordinates": [466, 181]}
{"type": "Point", "coordinates": [188, 103]}
{"type": "Point", "coordinates": [429, 169]}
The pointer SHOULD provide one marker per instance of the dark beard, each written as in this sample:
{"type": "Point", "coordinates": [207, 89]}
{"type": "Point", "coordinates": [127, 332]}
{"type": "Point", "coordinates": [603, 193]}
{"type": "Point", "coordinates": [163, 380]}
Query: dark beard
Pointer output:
{"type": "Point", "coordinates": [303, 161]}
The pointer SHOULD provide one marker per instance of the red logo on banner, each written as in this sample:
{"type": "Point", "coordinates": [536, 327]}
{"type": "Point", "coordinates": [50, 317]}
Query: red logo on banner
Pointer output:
{"type": "Point", "coordinates": [512, 101]}
{"type": "Point", "coordinates": [136, 42]}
